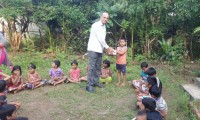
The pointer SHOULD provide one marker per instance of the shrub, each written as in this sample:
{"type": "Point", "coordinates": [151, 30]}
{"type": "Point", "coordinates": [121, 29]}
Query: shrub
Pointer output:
{"type": "Point", "coordinates": [139, 58]}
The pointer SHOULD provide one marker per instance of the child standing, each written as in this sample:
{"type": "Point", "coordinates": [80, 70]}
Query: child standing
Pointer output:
{"type": "Point", "coordinates": [75, 73]}
{"type": "Point", "coordinates": [16, 82]}
{"type": "Point", "coordinates": [121, 61]}
{"type": "Point", "coordinates": [56, 74]}
{"type": "Point", "coordinates": [106, 73]}
{"type": "Point", "coordinates": [34, 79]}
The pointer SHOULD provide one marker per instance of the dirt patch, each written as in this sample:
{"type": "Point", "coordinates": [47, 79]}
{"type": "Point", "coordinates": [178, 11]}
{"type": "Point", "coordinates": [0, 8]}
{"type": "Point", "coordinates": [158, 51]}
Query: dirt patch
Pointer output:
{"type": "Point", "coordinates": [72, 102]}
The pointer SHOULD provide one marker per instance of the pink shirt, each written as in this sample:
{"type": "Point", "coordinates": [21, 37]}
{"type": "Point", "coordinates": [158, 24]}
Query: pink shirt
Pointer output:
{"type": "Point", "coordinates": [33, 76]}
{"type": "Point", "coordinates": [121, 55]}
{"type": "Point", "coordinates": [106, 72]}
{"type": "Point", "coordinates": [1, 75]}
{"type": "Point", "coordinates": [75, 74]}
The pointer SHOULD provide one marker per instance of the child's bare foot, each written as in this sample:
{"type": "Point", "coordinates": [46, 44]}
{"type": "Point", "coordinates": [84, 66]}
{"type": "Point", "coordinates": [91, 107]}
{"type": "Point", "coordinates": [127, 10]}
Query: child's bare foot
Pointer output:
{"type": "Point", "coordinates": [15, 91]}
{"type": "Point", "coordinates": [137, 90]}
{"type": "Point", "coordinates": [118, 84]}
{"type": "Point", "coordinates": [54, 84]}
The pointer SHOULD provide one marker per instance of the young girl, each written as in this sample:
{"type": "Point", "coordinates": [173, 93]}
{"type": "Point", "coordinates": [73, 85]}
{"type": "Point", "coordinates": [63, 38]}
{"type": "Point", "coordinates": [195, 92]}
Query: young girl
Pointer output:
{"type": "Point", "coordinates": [34, 79]}
{"type": "Point", "coordinates": [56, 74]}
{"type": "Point", "coordinates": [75, 73]}
{"type": "Point", "coordinates": [106, 73]}
{"type": "Point", "coordinates": [121, 61]}
{"type": "Point", "coordinates": [16, 82]}
{"type": "Point", "coordinates": [4, 76]}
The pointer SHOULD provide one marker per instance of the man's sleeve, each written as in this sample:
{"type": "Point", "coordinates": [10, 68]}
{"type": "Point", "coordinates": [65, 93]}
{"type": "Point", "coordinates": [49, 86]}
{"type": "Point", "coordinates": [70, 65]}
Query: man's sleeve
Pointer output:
{"type": "Point", "coordinates": [100, 37]}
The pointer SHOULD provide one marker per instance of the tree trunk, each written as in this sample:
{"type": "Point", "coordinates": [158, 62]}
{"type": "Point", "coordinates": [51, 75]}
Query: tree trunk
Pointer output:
{"type": "Point", "coordinates": [132, 43]}
{"type": "Point", "coordinates": [185, 44]}
{"type": "Point", "coordinates": [191, 46]}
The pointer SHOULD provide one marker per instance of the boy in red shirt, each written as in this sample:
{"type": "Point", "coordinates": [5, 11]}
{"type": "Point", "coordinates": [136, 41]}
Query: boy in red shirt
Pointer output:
{"type": "Point", "coordinates": [121, 61]}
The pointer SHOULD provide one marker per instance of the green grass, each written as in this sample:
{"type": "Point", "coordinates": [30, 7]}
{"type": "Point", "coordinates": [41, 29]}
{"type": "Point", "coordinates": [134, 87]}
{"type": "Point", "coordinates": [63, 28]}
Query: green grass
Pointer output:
{"type": "Point", "coordinates": [71, 101]}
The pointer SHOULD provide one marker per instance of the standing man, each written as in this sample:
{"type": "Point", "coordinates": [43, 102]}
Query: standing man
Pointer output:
{"type": "Point", "coordinates": [95, 49]}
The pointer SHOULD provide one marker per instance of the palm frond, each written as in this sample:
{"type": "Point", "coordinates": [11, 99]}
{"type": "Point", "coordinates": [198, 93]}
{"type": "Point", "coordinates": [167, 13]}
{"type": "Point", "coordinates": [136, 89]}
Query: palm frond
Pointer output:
{"type": "Point", "coordinates": [197, 30]}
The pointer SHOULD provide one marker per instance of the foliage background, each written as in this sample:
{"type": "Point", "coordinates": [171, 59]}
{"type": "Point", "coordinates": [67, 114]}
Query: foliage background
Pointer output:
{"type": "Point", "coordinates": [65, 25]}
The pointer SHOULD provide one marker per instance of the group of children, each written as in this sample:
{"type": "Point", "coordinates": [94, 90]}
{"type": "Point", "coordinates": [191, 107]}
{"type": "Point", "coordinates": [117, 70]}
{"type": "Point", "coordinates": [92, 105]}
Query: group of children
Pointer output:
{"type": "Point", "coordinates": [150, 102]}
{"type": "Point", "coordinates": [15, 82]}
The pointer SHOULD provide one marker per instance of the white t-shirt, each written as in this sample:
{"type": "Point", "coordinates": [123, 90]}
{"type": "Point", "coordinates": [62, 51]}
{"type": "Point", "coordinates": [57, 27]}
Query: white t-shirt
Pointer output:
{"type": "Point", "coordinates": [97, 38]}
{"type": "Point", "coordinates": [161, 105]}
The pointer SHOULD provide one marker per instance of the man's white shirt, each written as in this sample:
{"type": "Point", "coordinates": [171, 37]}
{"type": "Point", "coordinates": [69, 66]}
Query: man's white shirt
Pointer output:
{"type": "Point", "coordinates": [97, 38]}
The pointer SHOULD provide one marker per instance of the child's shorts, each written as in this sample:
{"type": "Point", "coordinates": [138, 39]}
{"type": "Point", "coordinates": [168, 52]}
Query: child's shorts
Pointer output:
{"type": "Point", "coordinates": [121, 67]}
{"type": "Point", "coordinates": [43, 82]}
{"type": "Point", "coordinates": [51, 81]}
{"type": "Point", "coordinates": [30, 86]}
{"type": "Point", "coordinates": [137, 83]}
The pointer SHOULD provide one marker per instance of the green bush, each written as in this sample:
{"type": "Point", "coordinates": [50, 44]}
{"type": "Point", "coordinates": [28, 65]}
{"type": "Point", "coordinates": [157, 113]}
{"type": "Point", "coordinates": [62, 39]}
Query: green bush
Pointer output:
{"type": "Point", "coordinates": [197, 73]}
{"type": "Point", "coordinates": [139, 58]}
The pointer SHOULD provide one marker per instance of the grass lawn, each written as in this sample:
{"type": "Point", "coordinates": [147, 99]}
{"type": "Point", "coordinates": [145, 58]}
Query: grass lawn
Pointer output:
{"type": "Point", "coordinates": [72, 102]}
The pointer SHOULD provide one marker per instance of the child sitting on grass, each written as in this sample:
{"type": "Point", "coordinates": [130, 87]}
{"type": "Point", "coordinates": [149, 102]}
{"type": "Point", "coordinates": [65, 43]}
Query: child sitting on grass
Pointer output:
{"type": "Point", "coordinates": [161, 105]}
{"type": "Point", "coordinates": [56, 74]}
{"type": "Point", "coordinates": [106, 73]}
{"type": "Point", "coordinates": [150, 108]}
{"type": "Point", "coordinates": [151, 81]}
{"type": "Point", "coordinates": [34, 79]}
{"type": "Point", "coordinates": [7, 110]}
{"type": "Point", "coordinates": [152, 72]}
{"type": "Point", "coordinates": [141, 115]}
{"type": "Point", "coordinates": [138, 83]}
{"type": "Point", "coordinates": [75, 73]}
{"type": "Point", "coordinates": [16, 82]}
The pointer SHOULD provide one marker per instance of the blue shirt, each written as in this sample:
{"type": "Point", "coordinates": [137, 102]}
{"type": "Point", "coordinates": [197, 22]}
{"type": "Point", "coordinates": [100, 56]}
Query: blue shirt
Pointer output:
{"type": "Point", "coordinates": [144, 76]}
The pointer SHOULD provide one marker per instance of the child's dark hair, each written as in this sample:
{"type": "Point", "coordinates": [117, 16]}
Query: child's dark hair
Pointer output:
{"type": "Point", "coordinates": [153, 115]}
{"type": "Point", "coordinates": [2, 85]}
{"type": "Point", "coordinates": [74, 62]}
{"type": "Point", "coordinates": [144, 64]}
{"type": "Point", "coordinates": [120, 40]}
{"type": "Point", "coordinates": [149, 103]}
{"type": "Point", "coordinates": [57, 63]}
{"type": "Point", "coordinates": [152, 80]}
{"type": "Point", "coordinates": [141, 113]}
{"type": "Point", "coordinates": [32, 66]}
{"type": "Point", "coordinates": [15, 68]}
{"type": "Point", "coordinates": [151, 71]}
{"type": "Point", "coordinates": [155, 91]}
{"type": "Point", "coordinates": [107, 62]}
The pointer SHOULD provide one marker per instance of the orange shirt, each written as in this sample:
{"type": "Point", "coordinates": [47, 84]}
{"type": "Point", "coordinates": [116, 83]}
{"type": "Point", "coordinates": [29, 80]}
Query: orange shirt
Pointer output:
{"type": "Point", "coordinates": [121, 55]}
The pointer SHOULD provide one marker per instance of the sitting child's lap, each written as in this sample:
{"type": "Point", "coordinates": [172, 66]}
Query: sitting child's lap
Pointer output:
{"type": "Point", "coordinates": [108, 79]}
